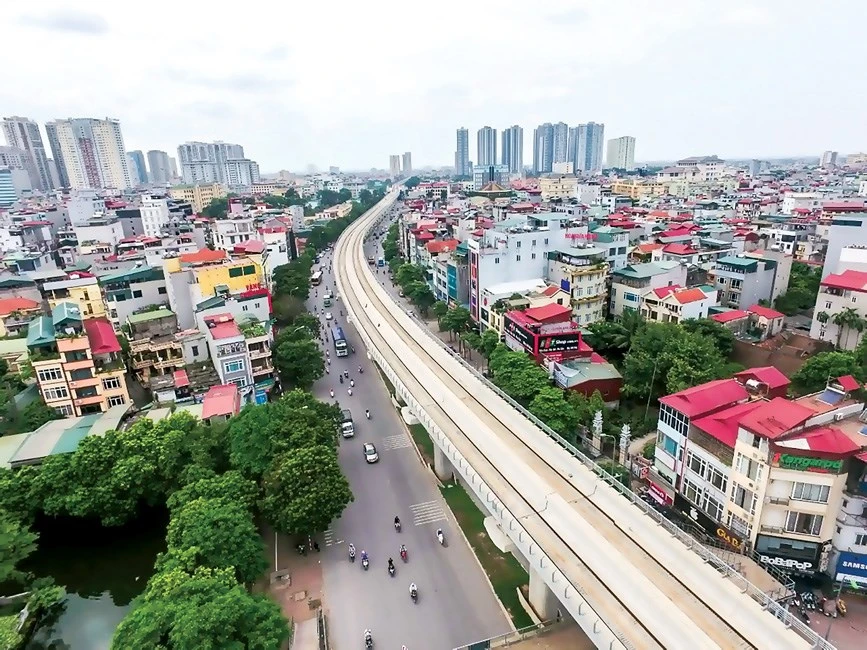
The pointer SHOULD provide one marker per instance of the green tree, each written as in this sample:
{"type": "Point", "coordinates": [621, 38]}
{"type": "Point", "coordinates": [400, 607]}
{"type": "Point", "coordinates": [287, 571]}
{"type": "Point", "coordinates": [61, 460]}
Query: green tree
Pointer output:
{"type": "Point", "coordinates": [231, 486]}
{"type": "Point", "coordinates": [299, 362]}
{"type": "Point", "coordinates": [645, 367]}
{"type": "Point", "coordinates": [305, 490]}
{"type": "Point", "coordinates": [613, 338]}
{"type": "Point", "coordinates": [847, 320]}
{"type": "Point", "coordinates": [440, 309]}
{"type": "Point", "coordinates": [411, 182]}
{"type": "Point", "coordinates": [287, 309]}
{"type": "Point", "coordinates": [309, 322]}
{"type": "Point", "coordinates": [489, 342]}
{"type": "Point", "coordinates": [721, 335]}
{"type": "Point", "coordinates": [549, 406]}
{"type": "Point", "coordinates": [16, 545]}
{"type": "Point", "coordinates": [813, 376]}
{"type": "Point", "coordinates": [421, 295]}
{"type": "Point", "coordinates": [205, 609]}
{"type": "Point", "coordinates": [220, 534]}
{"type": "Point", "coordinates": [517, 374]}
{"type": "Point", "coordinates": [471, 341]}
{"type": "Point", "coordinates": [456, 320]}
{"type": "Point", "coordinates": [217, 208]}
{"type": "Point", "coordinates": [407, 274]}
{"type": "Point", "coordinates": [695, 360]}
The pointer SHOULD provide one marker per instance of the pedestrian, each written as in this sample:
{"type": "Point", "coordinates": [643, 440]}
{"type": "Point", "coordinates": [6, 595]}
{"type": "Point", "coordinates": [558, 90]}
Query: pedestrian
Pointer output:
{"type": "Point", "coordinates": [316, 546]}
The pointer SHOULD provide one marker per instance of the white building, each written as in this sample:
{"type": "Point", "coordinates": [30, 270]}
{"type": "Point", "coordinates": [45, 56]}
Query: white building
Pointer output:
{"type": "Point", "coordinates": [582, 273]}
{"type": "Point", "coordinates": [241, 173]}
{"type": "Point", "coordinates": [709, 168]}
{"type": "Point", "coordinates": [93, 153]}
{"type": "Point", "coordinates": [631, 282]}
{"type": "Point", "coordinates": [676, 304]}
{"type": "Point", "coordinates": [621, 153]}
{"type": "Point", "coordinates": [154, 215]}
{"type": "Point", "coordinates": [23, 133]}
{"type": "Point", "coordinates": [233, 230]}
{"type": "Point", "coordinates": [100, 228]}
{"type": "Point", "coordinates": [850, 230]}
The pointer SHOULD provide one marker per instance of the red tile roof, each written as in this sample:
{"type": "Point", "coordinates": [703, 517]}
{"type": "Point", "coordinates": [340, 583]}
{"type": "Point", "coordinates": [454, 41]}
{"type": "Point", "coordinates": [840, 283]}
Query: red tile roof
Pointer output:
{"type": "Point", "coordinates": [819, 440]}
{"type": "Point", "coordinates": [101, 336]}
{"type": "Point", "coordinates": [849, 383]}
{"type": "Point", "coordinates": [181, 379]}
{"type": "Point", "coordinates": [706, 398]}
{"type": "Point", "coordinates": [662, 292]}
{"type": "Point", "coordinates": [768, 375]}
{"type": "Point", "coordinates": [202, 256]}
{"type": "Point", "coordinates": [8, 305]}
{"type": "Point", "coordinates": [221, 400]}
{"type": "Point", "coordinates": [765, 312]}
{"type": "Point", "coordinates": [689, 295]}
{"type": "Point", "coordinates": [649, 248]}
{"type": "Point", "coordinates": [252, 246]}
{"type": "Point", "coordinates": [851, 280]}
{"type": "Point", "coordinates": [222, 326]}
{"type": "Point", "coordinates": [550, 291]}
{"type": "Point", "coordinates": [424, 235]}
{"type": "Point", "coordinates": [723, 425]}
{"type": "Point", "coordinates": [443, 246]}
{"type": "Point", "coordinates": [729, 316]}
{"type": "Point", "coordinates": [547, 312]}
{"type": "Point", "coordinates": [679, 249]}
{"type": "Point", "coordinates": [777, 417]}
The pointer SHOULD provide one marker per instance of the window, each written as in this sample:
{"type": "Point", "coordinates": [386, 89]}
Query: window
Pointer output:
{"type": "Point", "coordinates": [55, 393]}
{"type": "Point", "coordinates": [827, 304]}
{"type": "Point", "coordinates": [111, 383]}
{"type": "Point", "coordinates": [136, 294]}
{"type": "Point", "coordinates": [234, 366]}
{"type": "Point", "coordinates": [50, 374]}
{"type": "Point", "coordinates": [245, 308]}
{"type": "Point", "coordinates": [161, 290]}
{"type": "Point", "coordinates": [691, 491]}
{"type": "Point", "coordinates": [118, 400]}
{"type": "Point", "coordinates": [861, 539]}
{"type": "Point", "coordinates": [236, 272]}
{"type": "Point", "coordinates": [533, 256]}
{"type": "Point", "coordinates": [744, 498]}
{"type": "Point", "coordinates": [195, 350]}
{"type": "Point", "coordinates": [249, 270]}
{"type": "Point", "coordinates": [497, 260]}
{"type": "Point", "coordinates": [712, 507]}
{"type": "Point", "coordinates": [750, 468]}
{"type": "Point", "coordinates": [810, 492]}
{"type": "Point", "coordinates": [669, 445]}
{"type": "Point", "coordinates": [518, 245]}
{"type": "Point", "coordinates": [517, 258]}
{"type": "Point", "coordinates": [240, 383]}
{"type": "Point", "coordinates": [630, 297]}
{"type": "Point", "coordinates": [65, 410]}
{"type": "Point", "coordinates": [546, 241]}
{"type": "Point", "coordinates": [803, 524]}
{"type": "Point", "coordinates": [716, 478]}
{"type": "Point", "coordinates": [674, 419]}
{"type": "Point", "coordinates": [739, 526]}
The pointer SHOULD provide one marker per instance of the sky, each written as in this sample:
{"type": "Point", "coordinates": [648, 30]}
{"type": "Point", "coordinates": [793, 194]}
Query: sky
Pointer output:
{"type": "Point", "coordinates": [348, 83]}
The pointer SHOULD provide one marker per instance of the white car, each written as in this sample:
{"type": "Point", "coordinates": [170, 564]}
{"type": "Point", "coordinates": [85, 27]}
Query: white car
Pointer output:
{"type": "Point", "coordinates": [370, 454]}
{"type": "Point", "coordinates": [328, 315]}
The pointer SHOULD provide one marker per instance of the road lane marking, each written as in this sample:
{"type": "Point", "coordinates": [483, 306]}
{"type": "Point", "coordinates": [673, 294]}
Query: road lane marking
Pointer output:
{"type": "Point", "coordinates": [328, 537]}
{"type": "Point", "coordinates": [399, 441]}
{"type": "Point", "coordinates": [427, 512]}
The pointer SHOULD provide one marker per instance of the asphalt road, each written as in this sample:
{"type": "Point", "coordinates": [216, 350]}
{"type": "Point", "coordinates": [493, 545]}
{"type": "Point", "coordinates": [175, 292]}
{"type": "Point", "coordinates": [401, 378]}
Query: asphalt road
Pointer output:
{"type": "Point", "coordinates": [455, 605]}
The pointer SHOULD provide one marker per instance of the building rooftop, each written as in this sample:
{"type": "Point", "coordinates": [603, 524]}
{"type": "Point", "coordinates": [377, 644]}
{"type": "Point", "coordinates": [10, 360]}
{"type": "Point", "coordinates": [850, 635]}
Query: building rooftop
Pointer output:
{"type": "Point", "coordinates": [734, 260]}
{"type": "Point", "coordinates": [765, 312]}
{"type": "Point", "coordinates": [40, 331]}
{"type": "Point", "coordinates": [820, 440]}
{"type": "Point", "coordinates": [203, 256]}
{"type": "Point", "coordinates": [143, 317]}
{"type": "Point", "coordinates": [221, 400]}
{"type": "Point", "coordinates": [547, 312]}
{"type": "Point", "coordinates": [847, 280]}
{"type": "Point", "coordinates": [706, 398]}
{"type": "Point", "coordinates": [776, 417]}
{"type": "Point", "coordinates": [723, 425]}
{"type": "Point", "coordinates": [516, 286]}
{"type": "Point", "coordinates": [9, 305]}
{"type": "Point", "coordinates": [222, 326]}
{"type": "Point", "coordinates": [767, 375]}
{"type": "Point", "coordinates": [70, 284]}
{"type": "Point", "coordinates": [127, 275]}
{"type": "Point", "coordinates": [101, 336]}
{"type": "Point", "coordinates": [646, 270]}
{"type": "Point", "coordinates": [729, 316]}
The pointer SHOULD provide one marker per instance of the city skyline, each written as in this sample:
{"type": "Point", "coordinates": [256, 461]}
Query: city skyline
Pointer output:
{"type": "Point", "coordinates": [285, 113]}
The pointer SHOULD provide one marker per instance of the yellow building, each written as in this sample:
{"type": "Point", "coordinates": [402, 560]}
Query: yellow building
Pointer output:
{"type": "Point", "coordinates": [83, 292]}
{"type": "Point", "coordinates": [559, 187]}
{"type": "Point", "coordinates": [199, 195]}
{"type": "Point", "coordinates": [635, 188]}
{"type": "Point", "coordinates": [194, 277]}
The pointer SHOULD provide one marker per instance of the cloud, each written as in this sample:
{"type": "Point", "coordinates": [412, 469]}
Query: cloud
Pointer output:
{"type": "Point", "coordinates": [571, 17]}
{"type": "Point", "coordinates": [77, 22]}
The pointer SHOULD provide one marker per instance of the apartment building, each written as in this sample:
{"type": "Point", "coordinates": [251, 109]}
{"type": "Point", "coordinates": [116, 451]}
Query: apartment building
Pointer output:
{"type": "Point", "coordinates": [615, 241]}
{"type": "Point", "coordinates": [154, 215]}
{"type": "Point", "coordinates": [675, 304]}
{"type": "Point", "coordinates": [76, 362]}
{"type": "Point", "coordinates": [742, 280]}
{"type": "Point", "coordinates": [234, 229]}
{"type": "Point", "coordinates": [770, 474]}
{"type": "Point", "coordinates": [841, 307]}
{"type": "Point", "coordinates": [133, 290]}
{"type": "Point", "coordinates": [80, 289]}
{"type": "Point", "coordinates": [200, 196]}
{"type": "Point", "coordinates": [15, 314]}
{"type": "Point", "coordinates": [193, 278]}
{"type": "Point", "coordinates": [636, 188]}
{"type": "Point", "coordinates": [632, 281]}
{"type": "Point", "coordinates": [514, 249]}
{"type": "Point", "coordinates": [582, 273]}
{"type": "Point", "coordinates": [154, 348]}
{"type": "Point", "coordinates": [562, 188]}
{"type": "Point", "coordinates": [509, 296]}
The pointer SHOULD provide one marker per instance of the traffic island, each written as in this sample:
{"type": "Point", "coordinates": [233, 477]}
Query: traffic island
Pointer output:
{"type": "Point", "coordinates": [504, 572]}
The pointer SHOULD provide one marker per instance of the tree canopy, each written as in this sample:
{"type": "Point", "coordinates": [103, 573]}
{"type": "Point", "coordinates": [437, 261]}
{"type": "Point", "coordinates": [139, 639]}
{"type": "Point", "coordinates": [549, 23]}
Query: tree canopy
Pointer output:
{"type": "Point", "coordinates": [517, 374]}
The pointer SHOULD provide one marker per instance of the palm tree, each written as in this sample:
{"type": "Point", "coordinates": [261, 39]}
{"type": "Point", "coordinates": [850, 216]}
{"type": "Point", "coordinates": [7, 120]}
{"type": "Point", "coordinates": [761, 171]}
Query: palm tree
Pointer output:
{"type": "Point", "coordinates": [847, 319]}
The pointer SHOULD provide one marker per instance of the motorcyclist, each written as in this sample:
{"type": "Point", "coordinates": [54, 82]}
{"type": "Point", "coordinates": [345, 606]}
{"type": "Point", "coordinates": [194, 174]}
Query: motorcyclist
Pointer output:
{"type": "Point", "coordinates": [352, 550]}
{"type": "Point", "coordinates": [332, 392]}
{"type": "Point", "coordinates": [349, 391]}
{"type": "Point", "coordinates": [367, 413]}
{"type": "Point", "coordinates": [363, 554]}
{"type": "Point", "coordinates": [352, 383]}
{"type": "Point", "coordinates": [396, 520]}
{"type": "Point", "coordinates": [413, 590]}
{"type": "Point", "coordinates": [440, 535]}
{"type": "Point", "coordinates": [368, 639]}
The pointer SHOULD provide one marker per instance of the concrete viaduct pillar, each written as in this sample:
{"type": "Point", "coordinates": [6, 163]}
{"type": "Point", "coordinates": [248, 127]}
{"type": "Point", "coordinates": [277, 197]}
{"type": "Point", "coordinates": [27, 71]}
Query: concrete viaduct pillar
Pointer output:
{"type": "Point", "coordinates": [442, 466]}
{"type": "Point", "coordinates": [542, 599]}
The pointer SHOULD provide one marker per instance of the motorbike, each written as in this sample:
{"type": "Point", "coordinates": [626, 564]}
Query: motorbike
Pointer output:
{"type": "Point", "coordinates": [341, 379]}
{"type": "Point", "coordinates": [365, 563]}
{"type": "Point", "coordinates": [352, 555]}
{"type": "Point", "coordinates": [360, 370]}
{"type": "Point", "coordinates": [403, 555]}
{"type": "Point", "coordinates": [441, 537]}
{"type": "Point", "coordinates": [397, 526]}
{"type": "Point", "coordinates": [368, 640]}
{"type": "Point", "coordinates": [414, 595]}
{"type": "Point", "coordinates": [367, 413]}
{"type": "Point", "coordinates": [391, 570]}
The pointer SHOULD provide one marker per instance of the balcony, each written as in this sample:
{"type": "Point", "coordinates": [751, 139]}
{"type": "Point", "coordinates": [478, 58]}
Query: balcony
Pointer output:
{"type": "Point", "coordinates": [260, 353]}
{"type": "Point", "coordinates": [168, 363]}
{"type": "Point", "coordinates": [84, 383]}
{"type": "Point", "coordinates": [262, 370]}
{"type": "Point", "coordinates": [774, 530]}
{"type": "Point", "coordinates": [83, 364]}
{"type": "Point", "coordinates": [87, 401]}
{"type": "Point", "coordinates": [779, 501]}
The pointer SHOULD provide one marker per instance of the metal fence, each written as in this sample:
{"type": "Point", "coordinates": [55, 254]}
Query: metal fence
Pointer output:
{"type": "Point", "coordinates": [321, 629]}
{"type": "Point", "coordinates": [507, 639]}
{"type": "Point", "coordinates": [767, 602]}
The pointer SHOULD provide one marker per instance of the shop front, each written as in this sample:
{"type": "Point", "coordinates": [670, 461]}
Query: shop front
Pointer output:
{"type": "Point", "coordinates": [852, 567]}
{"type": "Point", "coordinates": [790, 555]}
{"type": "Point", "coordinates": [711, 528]}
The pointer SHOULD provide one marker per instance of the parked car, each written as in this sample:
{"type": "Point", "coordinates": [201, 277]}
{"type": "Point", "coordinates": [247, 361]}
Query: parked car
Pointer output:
{"type": "Point", "coordinates": [328, 315]}
{"type": "Point", "coordinates": [370, 454]}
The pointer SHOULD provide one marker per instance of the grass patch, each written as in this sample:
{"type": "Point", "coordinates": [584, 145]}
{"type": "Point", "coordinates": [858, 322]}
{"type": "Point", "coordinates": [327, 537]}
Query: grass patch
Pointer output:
{"type": "Point", "coordinates": [504, 571]}
{"type": "Point", "coordinates": [423, 441]}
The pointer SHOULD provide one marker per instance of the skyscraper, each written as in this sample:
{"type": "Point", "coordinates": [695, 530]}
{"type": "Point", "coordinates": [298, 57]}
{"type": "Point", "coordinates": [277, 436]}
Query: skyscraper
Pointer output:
{"type": "Point", "coordinates": [462, 153]}
{"type": "Point", "coordinates": [158, 163]}
{"type": "Point", "coordinates": [207, 162]}
{"type": "Point", "coordinates": [621, 153]}
{"type": "Point", "coordinates": [56, 154]}
{"type": "Point", "coordinates": [828, 159]}
{"type": "Point", "coordinates": [407, 163]}
{"type": "Point", "coordinates": [543, 148]}
{"type": "Point", "coordinates": [486, 146]}
{"type": "Point", "coordinates": [173, 165]}
{"type": "Point", "coordinates": [137, 170]}
{"type": "Point", "coordinates": [8, 195]}
{"type": "Point", "coordinates": [561, 142]}
{"type": "Point", "coordinates": [394, 165]}
{"type": "Point", "coordinates": [513, 149]}
{"type": "Point", "coordinates": [23, 133]}
{"type": "Point", "coordinates": [585, 146]}
{"type": "Point", "coordinates": [93, 152]}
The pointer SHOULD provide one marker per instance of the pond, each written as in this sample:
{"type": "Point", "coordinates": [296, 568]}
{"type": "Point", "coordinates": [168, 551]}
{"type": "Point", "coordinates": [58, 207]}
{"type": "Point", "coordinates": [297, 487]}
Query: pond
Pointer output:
{"type": "Point", "coordinates": [103, 570]}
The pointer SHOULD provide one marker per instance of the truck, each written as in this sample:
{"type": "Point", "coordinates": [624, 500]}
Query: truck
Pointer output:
{"type": "Point", "coordinates": [347, 428]}
{"type": "Point", "coordinates": [370, 259]}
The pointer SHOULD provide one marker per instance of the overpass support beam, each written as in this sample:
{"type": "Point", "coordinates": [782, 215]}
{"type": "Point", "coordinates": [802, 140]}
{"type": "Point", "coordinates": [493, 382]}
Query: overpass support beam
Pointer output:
{"type": "Point", "coordinates": [443, 467]}
{"type": "Point", "coordinates": [542, 599]}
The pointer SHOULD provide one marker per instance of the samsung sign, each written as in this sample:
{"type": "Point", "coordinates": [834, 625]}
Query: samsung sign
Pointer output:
{"type": "Point", "coordinates": [852, 564]}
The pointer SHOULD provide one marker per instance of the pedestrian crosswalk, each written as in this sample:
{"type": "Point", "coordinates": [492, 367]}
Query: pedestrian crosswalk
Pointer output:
{"type": "Point", "coordinates": [328, 537]}
{"type": "Point", "coordinates": [399, 441]}
{"type": "Point", "coordinates": [427, 512]}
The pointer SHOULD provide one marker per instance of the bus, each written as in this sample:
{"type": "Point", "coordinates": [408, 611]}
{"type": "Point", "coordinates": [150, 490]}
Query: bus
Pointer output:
{"type": "Point", "coordinates": [340, 347]}
{"type": "Point", "coordinates": [316, 278]}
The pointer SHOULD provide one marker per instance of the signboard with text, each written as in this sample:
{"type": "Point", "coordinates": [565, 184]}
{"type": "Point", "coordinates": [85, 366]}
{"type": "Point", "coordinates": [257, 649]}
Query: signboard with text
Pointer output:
{"type": "Point", "coordinates": [712, 528]}
{"type": "Point", "coordinates": [521, 335]}
{"type": "Point", "coordinates": [808, 464]}
{"type": "Point", "coordinates": [852, 565]}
